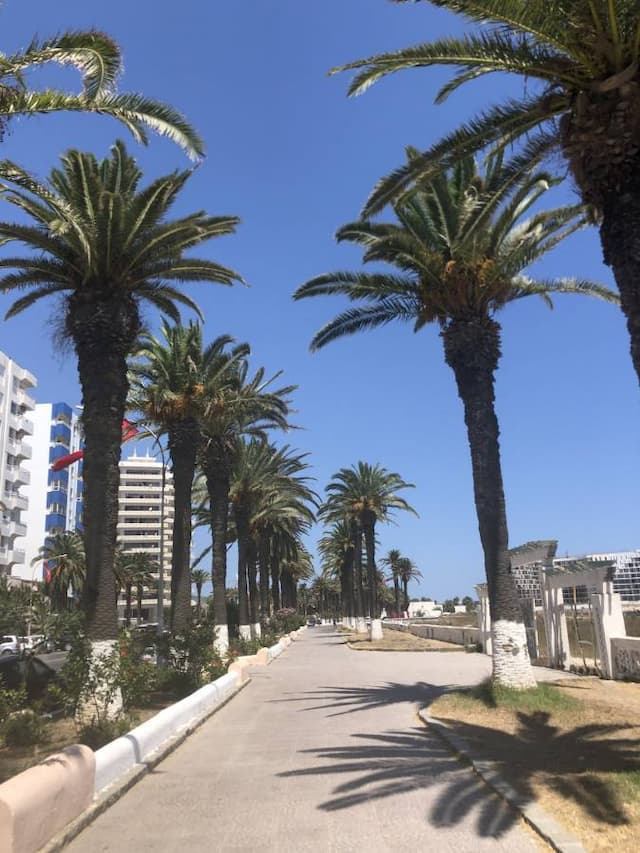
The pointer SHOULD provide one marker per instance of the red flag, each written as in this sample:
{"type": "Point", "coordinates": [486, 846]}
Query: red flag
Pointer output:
{"type": "Point", "coordinates": [129, 430]}
{"type": "Point", "coordinates": [46, 565]}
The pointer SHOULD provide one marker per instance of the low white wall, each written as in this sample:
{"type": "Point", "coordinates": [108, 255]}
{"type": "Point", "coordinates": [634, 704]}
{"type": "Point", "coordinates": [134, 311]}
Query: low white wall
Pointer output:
{"type": "Point", "coordinates": [625, 658]}
{"type": "Point", "coordinates": [444, 633]}
{"type": "Point", "coordinates": [119, 757]}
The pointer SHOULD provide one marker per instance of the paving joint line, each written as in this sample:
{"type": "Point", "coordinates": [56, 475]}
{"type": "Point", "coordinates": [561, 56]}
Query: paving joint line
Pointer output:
{"type": "Point", "coordinates": [534, 815]}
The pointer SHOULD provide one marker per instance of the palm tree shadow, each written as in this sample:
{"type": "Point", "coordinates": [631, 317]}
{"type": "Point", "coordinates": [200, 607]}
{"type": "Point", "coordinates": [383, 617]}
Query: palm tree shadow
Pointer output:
{"type": "Point", "coordinates": [392, 763]}
{"type": "Point", "coordinates": [396, 763]}
{"type": "Point", "coordinates": [349, 700]}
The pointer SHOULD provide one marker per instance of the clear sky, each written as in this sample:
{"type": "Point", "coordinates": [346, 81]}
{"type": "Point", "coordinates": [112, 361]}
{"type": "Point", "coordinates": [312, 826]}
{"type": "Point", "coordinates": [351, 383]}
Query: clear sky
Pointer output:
{"type": "Point", "coordinates": [294, 158]}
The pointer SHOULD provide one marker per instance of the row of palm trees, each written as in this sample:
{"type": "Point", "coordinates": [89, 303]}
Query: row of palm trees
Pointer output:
{"type": "Point", "coordinates": [460, 238]}
{"type": "Point", "coordinates": [357, 498]}
{"type": "Point", "coordinates": [403, 571]}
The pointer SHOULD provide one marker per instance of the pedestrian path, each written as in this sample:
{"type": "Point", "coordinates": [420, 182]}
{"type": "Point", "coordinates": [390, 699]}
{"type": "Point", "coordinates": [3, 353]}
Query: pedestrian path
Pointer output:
{"type": "Point", "coordinates": [322, 751]}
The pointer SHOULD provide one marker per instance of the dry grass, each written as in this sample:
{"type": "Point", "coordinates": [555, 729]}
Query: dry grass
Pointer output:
{"type": "Point", "coordinates": [574, 748]}
{"type": "Point", "coordinates": [399, 641]}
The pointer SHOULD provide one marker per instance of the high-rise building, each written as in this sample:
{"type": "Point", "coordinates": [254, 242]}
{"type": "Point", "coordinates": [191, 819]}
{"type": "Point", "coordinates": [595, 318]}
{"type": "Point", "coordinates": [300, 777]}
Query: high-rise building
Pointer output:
{"type": "Point", "coordinates": [144, 511]}
{"type": "Point", "coordinates": [15, 450]}
{"type": "Point", "coordinates": [55, 497]}
{"type": "Point", "coordinates": [626, 578]}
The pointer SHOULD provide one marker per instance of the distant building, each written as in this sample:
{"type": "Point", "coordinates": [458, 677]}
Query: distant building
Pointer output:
{"type": "Point", "coordinates": [15, 451]}
{"type": "Point", "coordinates": [55, 497]}
{"type": "Point", "coordinates": [626, 578]}
{"type": "Point", "coordinates": [140, 522]}
{"type": "Point", "coordinates": [426, 609]}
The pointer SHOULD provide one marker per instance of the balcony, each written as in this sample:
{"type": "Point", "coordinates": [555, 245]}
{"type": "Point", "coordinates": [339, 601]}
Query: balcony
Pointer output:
{"type": "Point", "coordinates": [15, 474]}
{"type": "Point", "coordinates": [11, 556]}
{"type": "Point", "coordinates": [26, 400]}
{"type": "Point", "coordinates": [14, 500]}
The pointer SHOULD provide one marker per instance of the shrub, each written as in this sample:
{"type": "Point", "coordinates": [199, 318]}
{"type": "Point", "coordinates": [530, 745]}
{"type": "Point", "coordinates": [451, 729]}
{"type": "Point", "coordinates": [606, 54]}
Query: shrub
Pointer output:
{"type": "Point", "coordinates": [286, 620]}
{"type": "Point", "coordinates": [137, 678]}
{"type": "Point", "coordinates": [11, 701]}
{"type": "Point", "coordinates": [102, 731]}
{"type": "Point", "coordinates": [23, 728]}
{"type": "Point", "coordinates": [191, 660]}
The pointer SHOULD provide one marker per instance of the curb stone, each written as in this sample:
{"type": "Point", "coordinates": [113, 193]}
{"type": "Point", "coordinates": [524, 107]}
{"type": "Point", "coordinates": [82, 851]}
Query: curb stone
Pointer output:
{"type": "Point", "coordinates": [539, 820]}
{"type": "Point", "coordinates": [120, 788]}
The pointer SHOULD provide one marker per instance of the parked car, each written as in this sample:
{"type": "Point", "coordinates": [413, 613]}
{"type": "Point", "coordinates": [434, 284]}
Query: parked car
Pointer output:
{"type": "Point", "coordinates": [9, 645]}
{"type": "Point", "coordinates": [34, 671]}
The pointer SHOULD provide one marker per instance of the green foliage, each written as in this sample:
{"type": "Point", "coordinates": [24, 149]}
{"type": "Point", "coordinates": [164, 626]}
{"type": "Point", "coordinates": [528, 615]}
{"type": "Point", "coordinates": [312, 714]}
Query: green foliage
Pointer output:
{"type": "Point", "coordinates": [24, 728]}
{"type": "Point", "coordinates": [137, 678]}
{"type": "Point", "coordinates": [239, 646]}
{"type": "Point", "coordinates": [11, 701]}
{"type": "Point", "coordinates": [286, 620]}
{"type": "Point", "coordinates": [191, 660]}
{"type": "Point", "coordinates": [102, 731]}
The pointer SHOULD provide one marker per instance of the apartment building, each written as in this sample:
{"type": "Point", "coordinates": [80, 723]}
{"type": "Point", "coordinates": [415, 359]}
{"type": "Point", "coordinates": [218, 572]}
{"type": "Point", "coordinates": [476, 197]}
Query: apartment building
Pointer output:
{"type": "Point", "coordinates": [145, 521]}
{"type": "Point", "coordinates": [16, 404]}
{"type": "Point", "coordinates": [55, 497]}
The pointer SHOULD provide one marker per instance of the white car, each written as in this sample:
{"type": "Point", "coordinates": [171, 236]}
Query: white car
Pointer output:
{"type": "Point", "coordinates": [9, 644]}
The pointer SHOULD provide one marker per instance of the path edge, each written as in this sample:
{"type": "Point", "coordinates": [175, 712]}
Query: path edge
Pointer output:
{"type": "Point", "coordinates": [120, 788]}
{"type": "Point", "coordinates": [535, 816]}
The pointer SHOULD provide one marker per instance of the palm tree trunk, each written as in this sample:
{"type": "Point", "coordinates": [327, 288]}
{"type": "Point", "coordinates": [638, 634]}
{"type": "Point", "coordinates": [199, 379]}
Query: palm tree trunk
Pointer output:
{"type": "Point", "coordinates": [252, 577]}
{"type": "Point", "coordinates": [275, 583]}
{"type": "Point", "coordinates": [183, 445]}
{"type": "Point", "coordinates": [199, 599]}
{"type": "Point", "coordinates": [369, 544]}
{"type": "Point", "coordinates": [242, 528]}
{"type": "Point", "coordinates": [356, 533]}
{"type": "Point", "coordinates": [396, 592]}
{"type": "Point", "coordinates": [217, 478]}
{"type": "Point", "coordinates": [263, 564]}
{"type": "Point", "coordinates": [472, 350]}
{"type": "Point", "coordinates": [405, 586]}
{"type": "Point", "coordinates": [128, 590]}
{"type": "Point", "coordinates": [620, 236]}
{"type": "Point", "coordinates": [103, 333]}
{"type": "Point", "coordinates": [139, 592]}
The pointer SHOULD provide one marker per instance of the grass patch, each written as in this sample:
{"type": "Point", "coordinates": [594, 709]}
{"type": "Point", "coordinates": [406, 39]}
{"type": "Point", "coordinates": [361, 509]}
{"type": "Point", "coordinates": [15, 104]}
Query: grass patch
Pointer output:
{"type": "Point", "coordinates": [543, 697]}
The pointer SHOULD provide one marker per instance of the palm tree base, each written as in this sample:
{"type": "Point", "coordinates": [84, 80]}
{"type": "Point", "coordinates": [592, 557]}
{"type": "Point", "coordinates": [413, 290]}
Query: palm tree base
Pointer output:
{"type": "Point", "coordinates": [361, 625]}
{"type": "Point", "coordinates": [221, 642]}
{"type": "Point", "coordinates": [104, 701]}
{"type": "Point", "coordinates": [511, 662]}
{"type": "Point", "coordinates": [245, 632]}
{"type": "Point", "coordinates": [375, 631]}
{"type": "Point", "coordinates": [256, 631]}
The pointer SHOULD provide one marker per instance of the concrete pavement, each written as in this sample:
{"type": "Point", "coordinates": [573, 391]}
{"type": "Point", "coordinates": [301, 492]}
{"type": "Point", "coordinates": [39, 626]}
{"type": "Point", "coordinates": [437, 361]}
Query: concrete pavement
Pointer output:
{"type": "Point", "coordinates": [322, 751]}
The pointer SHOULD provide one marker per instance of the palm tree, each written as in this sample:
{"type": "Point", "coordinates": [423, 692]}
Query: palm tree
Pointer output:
{"type": "Point", "coordinates": [124, 580]}
{"type": "Point", "coordinates": [199, 578]}
{"type": "Point", "coordinates": [407, 571]}
{"type": "Point", "coordinates": [237, 406]}
{"type": "Point", "coordinates": [172, 381]}
{"type": "Point", "coordinates": [585, 60]}
{"type": "Point", "coordinates": [105, 246]}
{"type": "Point", "coordinates": [65, 566]}
{"type": "Point", "coordinates": [268, 490]}
{"type": "Point", "coordinates": [98, 59]}
{"type": "Point", "coordinates": [391, 560]}
{"type": "Point", "coordinates": [336, 549]}
{"type": "Point", "coordinates": [366, 494]}
{"type": "Point", "coordinates": [460, 244]}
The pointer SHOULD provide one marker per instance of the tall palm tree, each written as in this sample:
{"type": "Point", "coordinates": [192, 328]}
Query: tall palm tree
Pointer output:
{"type": "Point", "coordinates": [238, 405]}
{"type": "Point", "coordinates": [268, 489]}
{"type": "Point", "coordinates": [460, 244]}
{"type": "Point", "coordinates": [367, 494]}
{"type": "Point", "coordinates": [199, 578]}
{"type": "Point", "coordinates": [336, 549]}
{"type": "Point", "coordinates": [391, 560]}
{"type": "Point", "coordinates": [580, 63]}
{"type": "Point", "coordinates": [407, 571]}
{"type": "Point", "coordinates": [173, 379]}
{"type": "Point", "coordinates": [105, 246]}
{"type": "Point", "coordinates": [65, 566]}
{"type": "Point", "coordinates": [98, 59]}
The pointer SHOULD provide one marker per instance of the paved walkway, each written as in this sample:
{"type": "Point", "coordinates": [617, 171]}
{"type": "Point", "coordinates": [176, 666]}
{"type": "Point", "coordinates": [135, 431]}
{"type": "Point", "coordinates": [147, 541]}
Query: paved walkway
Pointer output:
{"type": "Point", "coordinates": [322, 751]}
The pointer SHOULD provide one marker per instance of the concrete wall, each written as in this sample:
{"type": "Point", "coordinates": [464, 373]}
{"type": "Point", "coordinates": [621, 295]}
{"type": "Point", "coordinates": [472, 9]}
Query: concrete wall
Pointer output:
{"type": "Point", "coordinates": [444, 633]}
{"type": "Point", "coordinates": [625, 657]}
{"type": "Point", "coordinates": [38, 803]}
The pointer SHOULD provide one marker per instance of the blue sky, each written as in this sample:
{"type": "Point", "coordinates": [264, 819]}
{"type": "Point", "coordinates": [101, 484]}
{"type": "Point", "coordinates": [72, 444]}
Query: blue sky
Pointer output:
{"type": "Point", "coordinates": [294, 158]}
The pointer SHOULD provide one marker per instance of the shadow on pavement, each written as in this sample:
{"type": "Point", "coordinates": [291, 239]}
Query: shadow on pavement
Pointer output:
{"type": "Point", "coordinates": [353, 699]}
{"type": "Point", "coordinates": [395, 763]}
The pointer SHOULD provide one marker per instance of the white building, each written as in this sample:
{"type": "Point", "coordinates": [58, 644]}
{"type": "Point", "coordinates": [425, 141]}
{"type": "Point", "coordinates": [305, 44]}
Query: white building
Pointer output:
{"type": "Point", "coordinates": [55, 497]}
{"type": "Point", "coordinates": [626, 578]}
{"type": "Point", "coordinates": [15, 451]}
{"type": "Point", "coordinates": [140, 521]}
